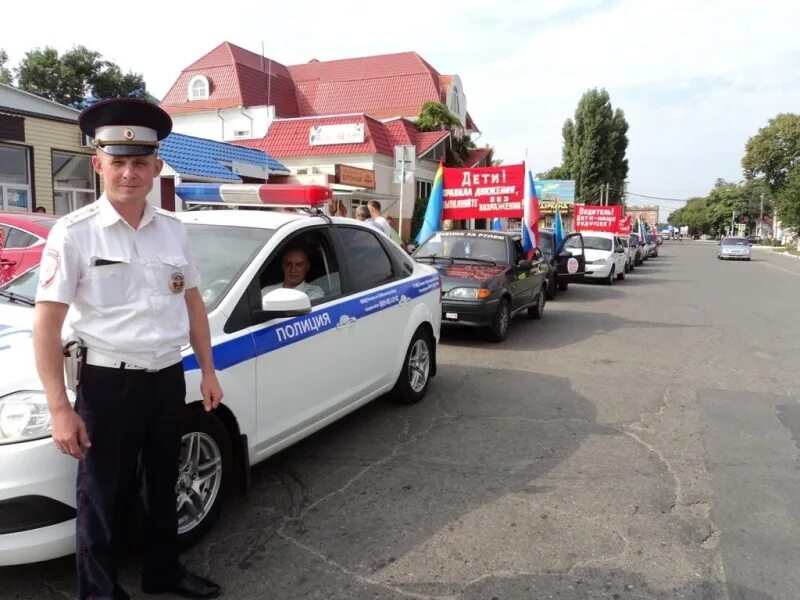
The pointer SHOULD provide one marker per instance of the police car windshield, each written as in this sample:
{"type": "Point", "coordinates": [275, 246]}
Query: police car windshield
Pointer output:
{"type": "Point", "coordinates": [465, 245]}
{"type": "Point", "coordinates": [222, 253]}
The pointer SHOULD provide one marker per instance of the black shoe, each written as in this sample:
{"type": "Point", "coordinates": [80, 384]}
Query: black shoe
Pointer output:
{"type": "Point", "coordinates": [189, 586]}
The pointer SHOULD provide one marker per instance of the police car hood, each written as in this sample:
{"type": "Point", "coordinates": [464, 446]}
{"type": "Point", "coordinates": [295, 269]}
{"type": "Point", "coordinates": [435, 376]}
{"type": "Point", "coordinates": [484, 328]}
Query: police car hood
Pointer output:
{"type": "Point", "coordinates": [16, 348]}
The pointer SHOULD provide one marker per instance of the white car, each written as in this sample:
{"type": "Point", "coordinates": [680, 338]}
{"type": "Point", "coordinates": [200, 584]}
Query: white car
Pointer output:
{"type": "Point", "coordinates": [288, 365]}
{"type": "Point", "coordinates": [605, 256]}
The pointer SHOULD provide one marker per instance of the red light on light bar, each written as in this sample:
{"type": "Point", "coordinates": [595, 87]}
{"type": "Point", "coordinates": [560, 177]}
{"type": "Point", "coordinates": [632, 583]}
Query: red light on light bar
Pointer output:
{"type": "Point", "coordinates": [285, 194]}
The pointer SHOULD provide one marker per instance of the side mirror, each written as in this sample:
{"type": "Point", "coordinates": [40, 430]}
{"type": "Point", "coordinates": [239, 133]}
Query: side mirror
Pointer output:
{"type": "Point", "coordinates": [410, 248]}
{"type": "Point", "coordinates": [286, 302]}
{"type": "Point", "coordinates": [525, 264]}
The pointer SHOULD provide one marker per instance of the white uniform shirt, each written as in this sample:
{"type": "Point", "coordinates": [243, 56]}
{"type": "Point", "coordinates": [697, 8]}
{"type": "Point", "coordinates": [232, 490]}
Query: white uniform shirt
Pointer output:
{"type": "Point", "coordinates": [125, 287]}
{"type": "Point", "coordinates": [383, 224]}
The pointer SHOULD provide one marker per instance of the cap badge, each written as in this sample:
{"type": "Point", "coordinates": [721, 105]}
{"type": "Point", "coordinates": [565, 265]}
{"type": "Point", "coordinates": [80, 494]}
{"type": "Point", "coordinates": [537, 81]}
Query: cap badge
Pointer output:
{"type": "Point", "coordinates": [176, 282]}
{"type": "Point", "coordinates": [128, 134]}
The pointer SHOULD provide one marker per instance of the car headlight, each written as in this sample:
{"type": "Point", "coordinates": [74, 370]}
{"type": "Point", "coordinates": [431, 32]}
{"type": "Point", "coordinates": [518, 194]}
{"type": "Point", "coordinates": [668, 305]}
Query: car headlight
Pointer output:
{"type": "Point", "coordinates": [468, 293]}
{"type": "Point", "coordinates": [24, 416]}
{"type": "Point", "coordinates": [599, 261]}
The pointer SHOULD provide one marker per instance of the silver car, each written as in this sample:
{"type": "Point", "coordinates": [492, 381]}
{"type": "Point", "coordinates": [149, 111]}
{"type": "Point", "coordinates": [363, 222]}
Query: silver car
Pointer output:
{"type": "Point", "coordinates": [736, 248]}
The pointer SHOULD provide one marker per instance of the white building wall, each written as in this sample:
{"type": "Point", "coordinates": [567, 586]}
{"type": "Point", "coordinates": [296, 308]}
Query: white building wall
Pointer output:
{"type": "Point", "coordinates": [223, 125]}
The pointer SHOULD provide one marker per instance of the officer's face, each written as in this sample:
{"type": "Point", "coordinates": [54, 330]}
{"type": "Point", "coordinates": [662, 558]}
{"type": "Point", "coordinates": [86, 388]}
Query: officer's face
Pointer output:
{"type": "Point", "coordinates": [295, 268]}
{"type": "Point", "coordinates": [127, 179]}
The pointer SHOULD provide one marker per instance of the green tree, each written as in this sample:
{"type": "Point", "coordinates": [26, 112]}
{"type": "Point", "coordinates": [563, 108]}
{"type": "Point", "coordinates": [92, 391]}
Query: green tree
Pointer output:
{"type": "Point", "coordinates": [595, 147]}
{"type": "Point", "coordinates": [787, 200]}
{"type": "Point", "coordinates": [558, 172]}
{"type": "Point", "coordinates": [774, 151]}
{"type": "Point", "coordinates": [5, 72]}
{"type": "Point", "coordinates": [77, 78]}
{"type": "Point", "coordinates": [435, 116]}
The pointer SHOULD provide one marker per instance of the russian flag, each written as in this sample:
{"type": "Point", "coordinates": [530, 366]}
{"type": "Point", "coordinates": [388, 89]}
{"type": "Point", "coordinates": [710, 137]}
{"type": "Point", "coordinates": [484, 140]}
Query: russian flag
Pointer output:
{"type": "Point", "coordinates": [530, 217]}
{"type": "Point", "coordinates": [433, 214]}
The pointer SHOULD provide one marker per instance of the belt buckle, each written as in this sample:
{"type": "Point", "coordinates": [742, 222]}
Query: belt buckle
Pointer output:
{"type": "Point", "coordinates": [152, 370]}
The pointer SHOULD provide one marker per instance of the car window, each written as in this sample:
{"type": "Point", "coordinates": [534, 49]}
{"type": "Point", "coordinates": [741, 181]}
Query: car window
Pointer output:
{"type": "Point", "coordinates": [519, 253]}
{"type": "Point", "coordinates": [321, 282]}
{"type": "Point", "coordinates": [734, 242]}
{"type": "Point", "coordinates": [469, 245]}
{"type": "Point", "coordinates": [16, 238]}
{"type": "Point", "coordinates": [221, 254]}
{"type": "Point", "coordinates": [369, 265]}
{"type": "Point", "coordinates": [596, 243]}
{"type": "Point", "coordinates": [402, 259]}
{"type": "Point", "coordinates": [25, 284]}
{"type": "Point", "coordinates": [546, 243]}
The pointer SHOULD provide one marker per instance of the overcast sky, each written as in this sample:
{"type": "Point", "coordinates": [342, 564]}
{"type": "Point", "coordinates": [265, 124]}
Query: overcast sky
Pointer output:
{"type": "Point", "coordinates": [695, 79]}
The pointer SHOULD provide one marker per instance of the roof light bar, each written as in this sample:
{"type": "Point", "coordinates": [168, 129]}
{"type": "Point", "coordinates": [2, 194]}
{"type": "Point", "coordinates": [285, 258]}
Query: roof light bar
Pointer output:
{"type": "Point", "coordinates": [267, 195]}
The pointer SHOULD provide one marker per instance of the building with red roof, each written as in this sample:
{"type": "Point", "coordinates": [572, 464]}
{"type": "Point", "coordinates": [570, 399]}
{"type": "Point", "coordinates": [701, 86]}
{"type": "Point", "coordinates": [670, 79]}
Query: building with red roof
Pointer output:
{"type": "Point", "coordinates": [334, 122]}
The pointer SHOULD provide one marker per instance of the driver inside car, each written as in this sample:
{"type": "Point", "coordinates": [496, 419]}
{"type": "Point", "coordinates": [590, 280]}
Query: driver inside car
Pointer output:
{"type": "Point", "coordinates": [295, 265]}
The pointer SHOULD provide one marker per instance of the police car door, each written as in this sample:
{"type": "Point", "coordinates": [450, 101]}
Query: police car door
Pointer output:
{"type": "Point", "coordinates": [378, 307]}
{"type": "Point", "coordinates": [304, 367]}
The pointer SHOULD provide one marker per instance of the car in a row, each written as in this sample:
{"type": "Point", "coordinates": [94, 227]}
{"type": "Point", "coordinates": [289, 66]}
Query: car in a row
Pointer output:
{"type": "Point", "coordinates": [288, 365]}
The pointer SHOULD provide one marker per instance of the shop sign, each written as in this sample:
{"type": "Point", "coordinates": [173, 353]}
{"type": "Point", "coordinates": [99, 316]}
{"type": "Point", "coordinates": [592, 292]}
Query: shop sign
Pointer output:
{"type": "Point", "coordinates": [354, 176]}
{"type": "Point", "coordinates": [345, 133]}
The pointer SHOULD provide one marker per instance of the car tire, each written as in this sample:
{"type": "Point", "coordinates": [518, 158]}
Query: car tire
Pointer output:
{"type": "Point", "coordinates": [551, 287]}
{"type": "Point", "coordinates": [621, 275]}
{"type": "Point", "coordinates": [415, 376]}
{"type": "Point", "coordinates": [610, 279]}
{"type": "Point", "coordinates": [501, 322]}
{"type": "Point", "coordinates": [537, 310]}
{"type": "Point", "coordinates": [214, 453]}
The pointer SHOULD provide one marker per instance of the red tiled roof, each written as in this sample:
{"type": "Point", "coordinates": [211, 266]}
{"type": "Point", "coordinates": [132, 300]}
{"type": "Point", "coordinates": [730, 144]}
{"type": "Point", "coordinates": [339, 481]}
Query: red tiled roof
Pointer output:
{"type": "Point", "coordinates": [428, 139]}
{"type": "Point", "coordinates": [237, 77]}
{"type": "Point", "coordinates": [385, 86]}
{"type": "Point", "coordinates": [288, 138]}
{"type": "Point", "coordinates": [476, 156]}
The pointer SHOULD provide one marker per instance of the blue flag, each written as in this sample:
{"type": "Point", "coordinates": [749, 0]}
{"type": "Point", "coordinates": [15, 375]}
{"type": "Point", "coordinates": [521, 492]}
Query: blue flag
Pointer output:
{"type": "Point", "coordinates": [497, 224]}
{"type": "Point", "coordinates": [433, 214]}
{"type": "Point", "coordinates": [558, 231]}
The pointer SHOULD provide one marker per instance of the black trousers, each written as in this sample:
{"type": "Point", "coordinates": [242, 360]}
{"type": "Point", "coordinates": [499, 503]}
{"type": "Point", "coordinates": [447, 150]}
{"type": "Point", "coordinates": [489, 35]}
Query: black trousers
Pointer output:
{"type": "Point", "coordinates": [134, 422]}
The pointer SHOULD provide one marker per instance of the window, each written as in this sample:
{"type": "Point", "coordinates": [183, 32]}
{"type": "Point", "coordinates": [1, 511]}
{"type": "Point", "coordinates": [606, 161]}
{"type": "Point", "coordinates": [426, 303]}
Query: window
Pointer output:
{"type": "Point", "coordinates": [73, 182]}
{"type": "Point", "coordinates": [424, 188]}
{"type": "Point", "coordinates": [321, 280]}
{"type": "Point", "coordinates": [198, 88]}
{"type": "Point", "coordinates": [436, 153]}
{"type": "Point", "coordinates": [369, 264]}
{"type": "Point", "coordinates": [15, 182]}
{"type": "Point", "coordinates": [16, 238]}
{"type": "Point", "coordinates": [455, 105]}
{"type": "Point", "coordinates": [241, 133]}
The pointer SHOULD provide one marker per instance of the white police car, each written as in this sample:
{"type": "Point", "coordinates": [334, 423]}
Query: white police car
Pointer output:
{"type": "Point", "coordinates": [373, 330]}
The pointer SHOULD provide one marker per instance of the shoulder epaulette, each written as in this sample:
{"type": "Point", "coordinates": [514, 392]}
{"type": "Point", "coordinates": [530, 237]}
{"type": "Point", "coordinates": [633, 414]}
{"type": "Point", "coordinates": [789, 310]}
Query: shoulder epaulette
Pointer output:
{"type": "Point", "coordinates": [166, 213]}
{"type": "Point", "coordinates": [79, 215]}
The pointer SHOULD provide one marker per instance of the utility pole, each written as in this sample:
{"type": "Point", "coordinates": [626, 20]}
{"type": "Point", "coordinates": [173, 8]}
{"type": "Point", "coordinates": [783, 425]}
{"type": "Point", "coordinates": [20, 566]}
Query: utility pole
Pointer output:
{"type": "Point", "coordinates": [761, 218]}
{"type": "Point", "coordinates": [733, 219]}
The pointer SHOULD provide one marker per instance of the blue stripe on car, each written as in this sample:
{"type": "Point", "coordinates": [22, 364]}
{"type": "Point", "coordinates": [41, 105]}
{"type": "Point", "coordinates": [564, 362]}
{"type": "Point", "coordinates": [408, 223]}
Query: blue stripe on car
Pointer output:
{"type": "Point", "coordinates": [246, 347]}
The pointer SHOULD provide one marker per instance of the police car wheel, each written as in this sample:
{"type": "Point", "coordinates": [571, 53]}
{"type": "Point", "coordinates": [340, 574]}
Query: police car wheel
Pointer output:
{"type": "Point", "coordinates": [205, 465]}
{"type": "Point", "coordinates": [416, 373]}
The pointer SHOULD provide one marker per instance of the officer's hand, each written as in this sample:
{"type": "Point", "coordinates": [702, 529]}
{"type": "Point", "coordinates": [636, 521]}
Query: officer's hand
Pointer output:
{"type": "Point", "coordinates": [69, 432]}
{"type": "Point", "coordinates": [211, 390]}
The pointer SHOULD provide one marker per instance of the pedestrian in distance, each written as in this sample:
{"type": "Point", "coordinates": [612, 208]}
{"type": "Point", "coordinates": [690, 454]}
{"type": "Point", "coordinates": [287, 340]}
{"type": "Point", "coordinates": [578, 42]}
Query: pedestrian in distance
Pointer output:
{"type": "Point", "coordinates": [363, 215]}
{"type": "Point", "coordinates": [128, 272]}
{"type": "Point", "coordinates": [375, 212]}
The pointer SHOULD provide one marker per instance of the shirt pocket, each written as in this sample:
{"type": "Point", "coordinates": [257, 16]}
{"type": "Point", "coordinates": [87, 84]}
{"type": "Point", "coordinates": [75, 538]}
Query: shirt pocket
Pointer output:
{"type": "Point", "coordinates": [172, 274]}
{"type": "Point", "coordinates": [108, 284]}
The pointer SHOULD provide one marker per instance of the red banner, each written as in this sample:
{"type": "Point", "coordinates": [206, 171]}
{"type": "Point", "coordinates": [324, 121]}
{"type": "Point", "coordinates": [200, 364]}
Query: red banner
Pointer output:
{"type": "Point", "coordinates": [597, 218]}
{"type": "Point", "coordinates": [625, 226]}
{"type": "Point", "coordinates": [484, 193]}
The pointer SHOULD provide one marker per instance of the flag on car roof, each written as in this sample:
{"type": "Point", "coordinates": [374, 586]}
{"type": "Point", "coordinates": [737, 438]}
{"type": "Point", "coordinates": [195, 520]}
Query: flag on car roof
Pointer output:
{"type": "Point", "coordinates": [433, 214]}
{"type": "Point", "coordinates": [530, 217]}
{"type": "Point", "coordinates": [558, 230]}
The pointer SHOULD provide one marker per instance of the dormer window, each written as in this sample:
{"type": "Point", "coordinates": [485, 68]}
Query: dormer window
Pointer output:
{"type": "Point", "coordinates": [198, 88]}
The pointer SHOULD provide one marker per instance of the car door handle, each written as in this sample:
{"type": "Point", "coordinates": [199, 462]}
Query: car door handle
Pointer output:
{"type": "Point", "coordinates": [345, 321]}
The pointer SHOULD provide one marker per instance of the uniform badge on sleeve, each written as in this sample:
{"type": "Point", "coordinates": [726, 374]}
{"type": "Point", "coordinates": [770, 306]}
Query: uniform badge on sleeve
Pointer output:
{"type": "Point", "coordinates": [176, 282]}
{"type": "Point", "coordinates": [49, 267]}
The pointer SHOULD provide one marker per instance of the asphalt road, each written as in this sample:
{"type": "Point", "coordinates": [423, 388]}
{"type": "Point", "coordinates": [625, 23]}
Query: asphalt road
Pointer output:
{"type": "Point", "coordinates": [641, 441]}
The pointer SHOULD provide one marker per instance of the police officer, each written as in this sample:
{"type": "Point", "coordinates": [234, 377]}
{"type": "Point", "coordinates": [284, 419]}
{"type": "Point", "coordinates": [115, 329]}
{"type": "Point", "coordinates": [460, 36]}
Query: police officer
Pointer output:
{"type": "Point", "coordinates": [124, 274]}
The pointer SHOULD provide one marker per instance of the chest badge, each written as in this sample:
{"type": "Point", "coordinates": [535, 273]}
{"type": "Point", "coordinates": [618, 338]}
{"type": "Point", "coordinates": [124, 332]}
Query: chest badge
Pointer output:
{"type": "Point", "coordinates": [176, 282]}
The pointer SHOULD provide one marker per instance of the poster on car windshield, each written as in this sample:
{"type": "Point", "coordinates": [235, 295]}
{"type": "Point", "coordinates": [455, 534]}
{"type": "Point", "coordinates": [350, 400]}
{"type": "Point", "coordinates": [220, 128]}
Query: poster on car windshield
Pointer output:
{"type": "Point", "coordinates": [597, 218]}
{"type": "Point", "coordinates": [484, 192]}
